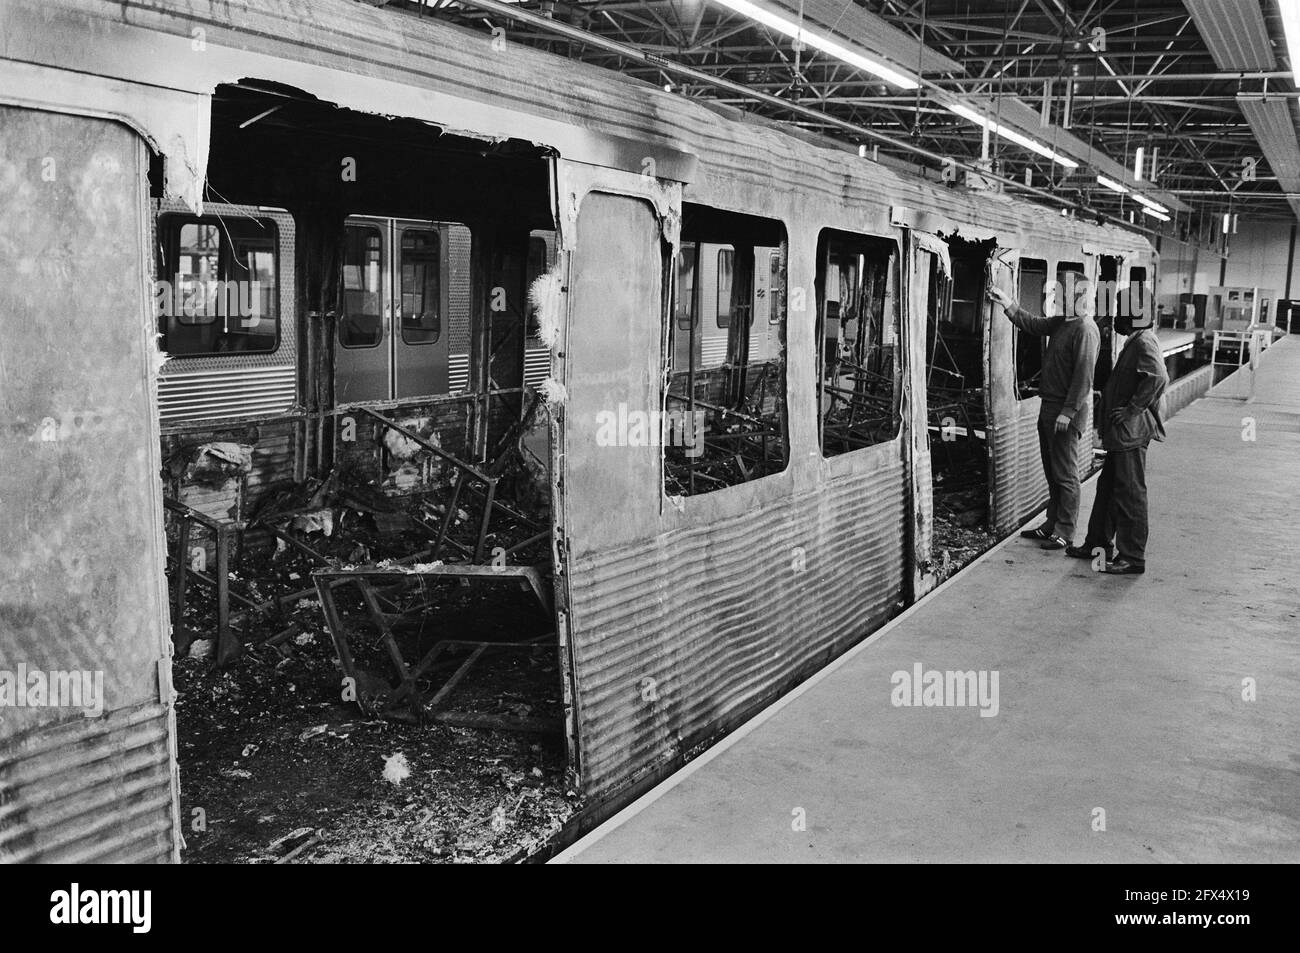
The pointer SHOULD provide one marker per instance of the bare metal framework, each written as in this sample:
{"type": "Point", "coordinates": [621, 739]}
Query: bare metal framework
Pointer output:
{"type": "Point", "coordinates": [1117, 74]}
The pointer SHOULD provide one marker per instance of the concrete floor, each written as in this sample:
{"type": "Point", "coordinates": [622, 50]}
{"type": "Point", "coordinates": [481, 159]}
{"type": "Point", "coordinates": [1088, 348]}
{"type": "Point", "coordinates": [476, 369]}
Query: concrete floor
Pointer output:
{"type": "Point", "coordinates": [1120, 693]}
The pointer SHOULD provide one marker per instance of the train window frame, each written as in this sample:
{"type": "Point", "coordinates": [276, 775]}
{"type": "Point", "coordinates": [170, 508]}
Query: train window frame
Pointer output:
{"type": "Point", "coordinates": [887, 255]}
{"type": "Point", "coordinates": [775, 288]}
{"type": "Point", "coordinates": [725, 424]}
{"type": "Point", "coordinates": [400, 305]}
{"type": "Point", "coordinates": [169, 226]}
{"type": "Point", "coordinates": [343, 288]}
{"type": "Point", "coordinates": [1022, 393]}
{"type": "Point", "coordinates": [688, 317]}
{"type": "Point", "coordinates": [722, 317]}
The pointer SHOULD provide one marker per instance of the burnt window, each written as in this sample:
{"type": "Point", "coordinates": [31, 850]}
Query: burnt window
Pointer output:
{"type": "Point", "coordinates": [218, 285]}
{"type": "Point", "coordinates": [685, 306]}
{"type": "Point", "coordinates": [1029, 348]}
{"type": "Point", "coordinates": [725, 408]}
{"type": "Point", "coordinates": [362, 322]}
{"type": "Point", "coordinates": [859, 387]}
{"type": "Point", "coordinates": [421, 281]}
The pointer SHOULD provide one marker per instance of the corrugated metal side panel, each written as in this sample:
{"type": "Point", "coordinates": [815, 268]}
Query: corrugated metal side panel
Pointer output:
{"type": "Point", "coordinates": [1018, 487]}
{"type": "Point", "coordinates": [457, 372]}
{"type": "Point", "coordinates": [226, 394]}
{"type": "Point", "coordinates": [1188, 388]}
{"type": "Point", "coordinates": [537, 365]}
{"type": "Point", "coordinates": [713, 351]}
{"type": "Point", "coordinates": [81, 566]}
{"type": "Point", "coordinates": [89, 790]}
{"type": "Point", "coordinates": [716, 616]}
{"type": "Point", "coordinates": [1235, 33]}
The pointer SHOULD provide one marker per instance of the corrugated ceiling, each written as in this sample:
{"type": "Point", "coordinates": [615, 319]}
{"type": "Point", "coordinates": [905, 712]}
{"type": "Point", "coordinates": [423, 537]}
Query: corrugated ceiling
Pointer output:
{"type": "Point", "coordinates": [1234, 31]}
{"type": "Point", "coordinates": [1273, 123]}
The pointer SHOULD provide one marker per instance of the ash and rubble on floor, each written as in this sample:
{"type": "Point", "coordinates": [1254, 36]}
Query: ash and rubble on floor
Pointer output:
{"type": "Point", "coordinates": [276, 766]}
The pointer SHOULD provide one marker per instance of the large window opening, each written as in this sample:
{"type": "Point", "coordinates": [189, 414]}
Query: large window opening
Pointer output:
{"type": "Point", "coordinates": [725, 420]}
{"type": "Point", "coordinates": [955, 392]}
{"type": "Point", "coordinates": [859, 384]}
{"type": "Point", "coordinates": [1029, 348]}
{"type": "Point", "coordinates": [401, 275]}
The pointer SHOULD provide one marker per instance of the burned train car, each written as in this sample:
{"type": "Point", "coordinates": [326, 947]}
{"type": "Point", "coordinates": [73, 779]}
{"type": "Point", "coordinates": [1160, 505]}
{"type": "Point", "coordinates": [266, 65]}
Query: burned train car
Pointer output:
{"type": "Point", "coordinates": [726, 362]}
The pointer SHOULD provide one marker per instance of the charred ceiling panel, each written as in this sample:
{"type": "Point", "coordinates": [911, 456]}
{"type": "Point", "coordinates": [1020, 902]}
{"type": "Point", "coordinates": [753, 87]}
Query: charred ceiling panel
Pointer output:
{"type": "Point", "coordinates": [1273, 122]}
{"type": "Point", "coordinates": [1235, 33]}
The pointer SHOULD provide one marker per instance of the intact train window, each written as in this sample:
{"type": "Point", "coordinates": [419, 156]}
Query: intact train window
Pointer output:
{"type": "Point", "coordinates": [218, 285]}
{"type": "Point", "coordinates": [421, 284]}
{"type": "Point", "coordinates": [361, 323]}
{"type": "Point", "coordinates": [726, 271]}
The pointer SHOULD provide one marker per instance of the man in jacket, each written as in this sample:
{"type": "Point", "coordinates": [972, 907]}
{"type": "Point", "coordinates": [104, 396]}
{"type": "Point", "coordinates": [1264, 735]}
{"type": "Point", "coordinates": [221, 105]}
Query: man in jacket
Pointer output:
{"type": "Point", "coordinates": [1065, 388]}
{"type": "Point", "coordinates": [1129, 420]}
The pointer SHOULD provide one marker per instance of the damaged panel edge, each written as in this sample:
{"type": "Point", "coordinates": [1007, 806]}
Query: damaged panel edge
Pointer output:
{"type": "Point", "coordinates": [175, 124]}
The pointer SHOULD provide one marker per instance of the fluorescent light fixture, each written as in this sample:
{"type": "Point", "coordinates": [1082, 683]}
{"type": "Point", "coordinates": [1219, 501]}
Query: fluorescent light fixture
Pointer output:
{"type": "Point", "coordinates": [1154, 214]}
{"type": "Point", "coordinates": [1112, 185]}
{"type": "Point", "coordinates": [816, 40]}
{"type": "Point", "coordinates": [1290, 10]}
{"type": "Point", "coordinates": [1137, 163]}
{"type": "Point", "coordinates": [1021, 140]}
{"type": "Point", "coordinates": [1227, 222]}
{"type": "Point", "coordinates": [1153, 206]}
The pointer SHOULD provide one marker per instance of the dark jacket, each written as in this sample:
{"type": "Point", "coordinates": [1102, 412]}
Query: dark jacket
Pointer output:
{"type": "Point", "coordinates": [1135, 387]}
{"type": "Point", "coordinates": [1066, 382]}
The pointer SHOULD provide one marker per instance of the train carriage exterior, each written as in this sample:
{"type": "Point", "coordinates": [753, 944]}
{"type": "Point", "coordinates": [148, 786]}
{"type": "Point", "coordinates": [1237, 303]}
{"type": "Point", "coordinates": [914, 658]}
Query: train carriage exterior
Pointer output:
{"type": "Point", "coordinates": [685, 614]}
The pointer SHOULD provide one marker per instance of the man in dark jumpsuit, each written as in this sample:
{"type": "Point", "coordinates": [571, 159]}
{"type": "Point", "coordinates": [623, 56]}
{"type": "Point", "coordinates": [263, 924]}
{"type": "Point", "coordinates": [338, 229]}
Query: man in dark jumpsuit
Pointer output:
{"type": "Point", "coordinates": [1066, 390]}
{"type": "Point", "coordinates": [1129, 420]}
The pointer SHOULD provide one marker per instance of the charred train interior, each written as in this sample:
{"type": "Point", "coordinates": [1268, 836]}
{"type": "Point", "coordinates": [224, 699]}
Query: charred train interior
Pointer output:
{"type": "Point", "coordinates": [352, 418]}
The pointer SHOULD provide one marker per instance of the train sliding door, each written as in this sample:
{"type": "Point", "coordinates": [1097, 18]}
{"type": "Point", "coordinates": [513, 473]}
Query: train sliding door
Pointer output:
{"type": "Point", "coordinates": [420, 282]}
{"type": "Point", "coordinates": [397, 276]}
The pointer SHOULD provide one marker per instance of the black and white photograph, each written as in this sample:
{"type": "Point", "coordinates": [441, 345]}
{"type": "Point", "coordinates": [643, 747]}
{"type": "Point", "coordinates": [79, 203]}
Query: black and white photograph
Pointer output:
{"type": "Point", "coordinates": [650, 432]}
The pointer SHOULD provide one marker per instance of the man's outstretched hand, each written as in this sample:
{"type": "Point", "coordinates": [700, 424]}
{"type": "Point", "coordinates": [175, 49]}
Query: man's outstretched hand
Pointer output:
{"type": "Point", "coordinates": [1001, 297]}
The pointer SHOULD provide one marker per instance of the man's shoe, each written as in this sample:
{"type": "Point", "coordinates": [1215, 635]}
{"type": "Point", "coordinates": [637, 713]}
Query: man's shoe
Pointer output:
{"type": "Point", "coordinates": [1039, 534]}
{"type": "Point", "coordinates": [1122, 567]}
{"type": "Point", "coordinates": [1053, 542]}
{"type": "Point", "coordinates": [1085, 552]}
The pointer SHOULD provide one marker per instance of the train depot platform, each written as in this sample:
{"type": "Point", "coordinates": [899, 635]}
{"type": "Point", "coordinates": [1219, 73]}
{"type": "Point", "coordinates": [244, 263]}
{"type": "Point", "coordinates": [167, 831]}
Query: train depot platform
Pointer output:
{"type": "Point", "coordinates": [1152, 718]}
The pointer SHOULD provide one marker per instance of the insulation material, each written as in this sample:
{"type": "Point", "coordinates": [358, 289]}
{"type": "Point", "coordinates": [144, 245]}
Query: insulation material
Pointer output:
{"type": "Point", "coordinates": [547, 296]}
{"type": "Point", "coordinates": [401, 447]}
{"type": "Point", "coordinates": [320, 521]}
{"type": "Point", "coordinates": [935, 246]}
{"type": "Point", "coordinates": [553, 392]}
{"type": "Point", "coordinates": [214, 464]}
